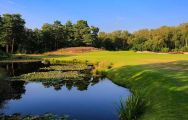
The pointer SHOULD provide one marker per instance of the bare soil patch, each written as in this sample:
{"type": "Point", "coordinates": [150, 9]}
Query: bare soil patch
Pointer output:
{"type": "Point", "coordinates": [73, 50]}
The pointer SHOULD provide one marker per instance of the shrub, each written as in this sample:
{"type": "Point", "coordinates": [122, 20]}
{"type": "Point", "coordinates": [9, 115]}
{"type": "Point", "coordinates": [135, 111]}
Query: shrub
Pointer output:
{"type": "Point", "coordinates": [175, 50]}
{"type": "Point", "coordinates": [165, 50]}
{"type": "Point", "coordinates": [184, 49]}
{"type": "Point", "coordinates": [110, 66]}
{"type": "Point", "coordinates": [133, 108]}
{"type": "Point", "coordinates": [101, 73]}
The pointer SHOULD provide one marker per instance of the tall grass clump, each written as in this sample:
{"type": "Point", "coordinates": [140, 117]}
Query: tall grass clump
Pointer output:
{"type": "Point", "coordinates": [132, 108]}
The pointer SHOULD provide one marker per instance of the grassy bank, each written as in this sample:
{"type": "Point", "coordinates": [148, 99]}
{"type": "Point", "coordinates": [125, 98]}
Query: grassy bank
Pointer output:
{"type": "Point", "coordinates": [164, 85]}
{"type": "Point", "coordinates": [161, 78]}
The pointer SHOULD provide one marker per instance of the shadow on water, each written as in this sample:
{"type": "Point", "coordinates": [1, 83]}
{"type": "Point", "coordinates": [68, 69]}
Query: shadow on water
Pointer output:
{"type": "Point", "coordinates": [11, 90]}
{"type": "Point", "coordinates": [16, 68]}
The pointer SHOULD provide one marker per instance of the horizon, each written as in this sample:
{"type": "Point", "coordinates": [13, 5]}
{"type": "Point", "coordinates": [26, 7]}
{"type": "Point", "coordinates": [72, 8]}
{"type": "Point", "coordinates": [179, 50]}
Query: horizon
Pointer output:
{"type": "Point", "coordinates": [124, 14]}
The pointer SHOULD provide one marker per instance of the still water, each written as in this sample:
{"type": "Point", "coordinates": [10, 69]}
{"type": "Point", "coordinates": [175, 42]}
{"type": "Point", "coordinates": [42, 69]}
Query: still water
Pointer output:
{"type": "Point", "coordinates": [96, 101]}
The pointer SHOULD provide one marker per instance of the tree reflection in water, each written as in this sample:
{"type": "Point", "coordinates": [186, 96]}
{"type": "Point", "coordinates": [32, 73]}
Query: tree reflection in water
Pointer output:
{"type": "Point", "coordinates": [81, 85]}
{"type": "Point", "coordinates": [11, 90]}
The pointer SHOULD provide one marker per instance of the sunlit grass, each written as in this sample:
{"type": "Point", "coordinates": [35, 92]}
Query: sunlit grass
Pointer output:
{"type": "Point", "coordinates": [166, 89]}
{"type": "Point", "coordinates": [161, 78]}
{"type": "Point", "coordinates": [121, 58]}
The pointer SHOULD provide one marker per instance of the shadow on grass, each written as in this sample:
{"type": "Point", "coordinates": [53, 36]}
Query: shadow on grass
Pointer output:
{"type": "Point", "coordinates": [165, 85]}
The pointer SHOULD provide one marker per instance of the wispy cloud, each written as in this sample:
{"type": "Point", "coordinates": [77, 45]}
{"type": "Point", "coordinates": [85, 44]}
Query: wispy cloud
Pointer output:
{"type": "Point", "coordinates": [11, 2]}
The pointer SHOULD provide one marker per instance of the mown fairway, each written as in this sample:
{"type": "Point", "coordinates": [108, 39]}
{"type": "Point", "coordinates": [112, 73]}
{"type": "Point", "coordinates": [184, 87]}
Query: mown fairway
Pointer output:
{"type": "Point", "coordinates": [123, 58]}
{"type": "Point", "coordinates": [162, 79]}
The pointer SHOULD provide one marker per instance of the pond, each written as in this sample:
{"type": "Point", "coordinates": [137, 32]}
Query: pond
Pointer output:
{"type": "Point", "coordinates": [96, 99]}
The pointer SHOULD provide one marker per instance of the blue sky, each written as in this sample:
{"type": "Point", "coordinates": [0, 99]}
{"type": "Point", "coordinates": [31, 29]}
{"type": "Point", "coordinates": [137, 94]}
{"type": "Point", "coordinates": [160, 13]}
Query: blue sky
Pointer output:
{"type": "Point", "coordinates": [108, 15]}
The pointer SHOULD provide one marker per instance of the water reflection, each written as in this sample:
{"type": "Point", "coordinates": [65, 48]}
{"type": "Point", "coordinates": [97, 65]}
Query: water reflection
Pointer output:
{"type": "Point", "coordinates": [16, 68]}
{"type": "Point", "coordinates": [88, 99]}
{"type": "Point", "coordinates": [11, 90]}
{"type": "Point", "coordinates": [81, 85]}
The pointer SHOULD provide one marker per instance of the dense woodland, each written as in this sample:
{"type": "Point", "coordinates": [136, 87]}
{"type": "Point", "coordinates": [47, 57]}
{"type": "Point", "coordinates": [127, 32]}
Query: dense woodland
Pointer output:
{"type": "Point", "coordinates": [15, 37]}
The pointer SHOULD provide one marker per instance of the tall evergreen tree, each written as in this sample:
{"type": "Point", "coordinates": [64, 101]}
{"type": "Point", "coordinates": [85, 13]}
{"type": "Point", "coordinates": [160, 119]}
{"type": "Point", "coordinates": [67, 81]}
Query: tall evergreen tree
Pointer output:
{"type": "Point", "coordinates": [13, 30]}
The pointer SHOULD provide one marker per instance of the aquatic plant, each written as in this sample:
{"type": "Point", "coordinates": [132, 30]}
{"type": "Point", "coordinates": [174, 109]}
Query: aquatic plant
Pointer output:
{"type": "Point", "coordinates": [67, 67]}
{"type": "Point", "coordinates": [100, 73]}
{"type": "Point", "coordinates": [133, 108]}
{"type": "Point", "coordinates": [48, 116]}
{"type": "Point", "coordinates": [58, 75]}
{"type": "Point", "coordinates": [51, 76]}
{"type": "Point", "coordinates": [54, 61]}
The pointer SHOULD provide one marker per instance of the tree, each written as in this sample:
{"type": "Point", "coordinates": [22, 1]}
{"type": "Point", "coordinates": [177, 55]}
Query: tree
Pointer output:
{"type": "Point", "coordinates": [47, 37]}
{"type": "Point", "coordinates": [38, 37]}
{"type": "Point", "coordinates": [69, 33]}
{"type": "Point", "coordinates": [82, 31]}
{"type": "Point", "coordinates": [94, 36]}
{"type": "Point", "coordinates": [184, 28]}
{"type": "Point", "coordinates": [58, 33]}
{"type": "Point", "coordinates": [13, 30]}
{"type": "Point", "coordinates": [2, 41]}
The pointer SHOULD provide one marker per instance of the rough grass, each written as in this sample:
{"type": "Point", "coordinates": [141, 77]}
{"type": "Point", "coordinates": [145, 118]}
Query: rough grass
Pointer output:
{"type": "Point", "coordinates": [132, 108]}
{"type": "Point", "coordinates": [161, 78]}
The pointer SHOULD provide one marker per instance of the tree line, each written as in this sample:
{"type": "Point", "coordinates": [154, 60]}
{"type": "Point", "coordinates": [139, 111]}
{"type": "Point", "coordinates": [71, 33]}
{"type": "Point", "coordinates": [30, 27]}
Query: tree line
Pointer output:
{"type": "Point", "coordinates": [163, 39]}
{"type": "Point", "coordinates": [15, 37]}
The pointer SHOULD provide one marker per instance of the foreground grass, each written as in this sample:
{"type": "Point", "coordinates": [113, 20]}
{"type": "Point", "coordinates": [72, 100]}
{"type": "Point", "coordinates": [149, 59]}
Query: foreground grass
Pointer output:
{"type": "Point", "coordinates": [161, 78]}
{"type": "Point", "coordinates": [165, 88]}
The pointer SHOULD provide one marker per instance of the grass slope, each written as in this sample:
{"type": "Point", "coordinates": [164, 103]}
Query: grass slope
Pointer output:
{"type": "Point", "coordinates": [165, 88]}
{"type": "Point", "coordinates": [162, 78]}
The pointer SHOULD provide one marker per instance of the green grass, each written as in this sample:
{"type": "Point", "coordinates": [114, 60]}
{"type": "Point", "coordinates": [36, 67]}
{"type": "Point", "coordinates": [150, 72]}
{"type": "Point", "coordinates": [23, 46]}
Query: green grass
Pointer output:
{"type": "Point", "coordinates": [166, 89]}
{"type": "Point", "coordinates": [121, 58]}
{"type": "Point", "coordinates": [161, 78]}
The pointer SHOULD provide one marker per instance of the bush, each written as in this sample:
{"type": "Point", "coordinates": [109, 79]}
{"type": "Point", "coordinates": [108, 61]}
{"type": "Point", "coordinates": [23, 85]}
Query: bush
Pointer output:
{"type": "Point", "coordinates": [165, 50]}
{"type": "Point", "coordinates": [110, 65]}
{"type": "Point", "coordinates": [175, 50]}
{"type": "Point", "coordinates": [101, 73]}
{"type": "Point", "coordinates": [133, 108]}
{"type": "Point", "coordinates": [184, 49]}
